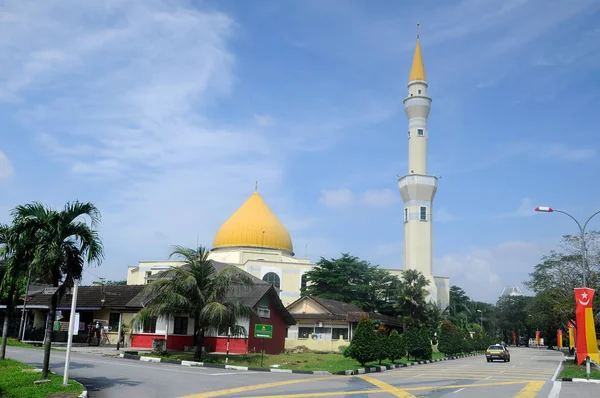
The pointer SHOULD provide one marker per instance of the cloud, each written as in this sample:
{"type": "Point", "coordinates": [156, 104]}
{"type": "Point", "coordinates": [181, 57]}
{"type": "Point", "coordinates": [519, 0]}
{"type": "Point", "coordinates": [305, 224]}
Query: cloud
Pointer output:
{"type": "Point", "coordinates": [484, 272]}
{"type": "Point", "coordinates": [6, 168]}
{"type": "Point", "coordinates": [337, 197]}
{"type": "Point", "coordinates": [443, 215]}
{"type": "Point", "coordinates": [561, 152]}
{"type": "Point", "coordinates": [264, 120]}
{"type": "Point", "coordinates": [525, 209]}
{"type": "Point", "coordinates": [381, 197]}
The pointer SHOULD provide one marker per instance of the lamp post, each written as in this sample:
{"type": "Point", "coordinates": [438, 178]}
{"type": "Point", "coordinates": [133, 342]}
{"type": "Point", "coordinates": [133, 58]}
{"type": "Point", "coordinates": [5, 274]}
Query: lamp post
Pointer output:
{"type": "Point", "coordinates": [481, 319]}
{"type": "Point", "coordinates": [545, 209]}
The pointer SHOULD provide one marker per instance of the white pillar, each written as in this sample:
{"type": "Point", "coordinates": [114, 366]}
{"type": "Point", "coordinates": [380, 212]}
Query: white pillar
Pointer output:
{"type": "Point", "coordinates": [71, 331]}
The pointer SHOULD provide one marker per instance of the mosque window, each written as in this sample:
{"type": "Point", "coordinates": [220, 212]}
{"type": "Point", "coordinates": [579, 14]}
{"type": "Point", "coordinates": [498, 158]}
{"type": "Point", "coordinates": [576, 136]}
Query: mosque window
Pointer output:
{"type": "Point", "coordinates": [405, 214]}
{"type": "Point", "coordinates": [423, 213]}
{"type": "Point", "coordinates": [303, 281]}
{"type": "Point", "coordinates": [419, 91]}
{"type": "Point", "coordinates": [420, 132]}
{"type": "Point", "coordinates": [273, 279]}
{"type": "Point", "coordinates": [180, 325]}
{"type": "Point", "coordinates": [408, 133]}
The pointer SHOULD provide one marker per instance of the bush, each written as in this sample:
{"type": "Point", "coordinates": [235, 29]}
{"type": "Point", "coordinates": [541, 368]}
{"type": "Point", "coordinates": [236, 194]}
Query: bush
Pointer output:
{"type": "Point", "coordinates": [363, 346]}
{"type": "Point", "coordinates": [396, 346]}
{"type": "Point", "coordinates": [467, 341]}
{"type": "Point", "coordinates": [381, 344]}
{"type": "Point", "coordinates": [449, 339]}
{"type": "Point", "coordinates": [425, 343]}
{"type": "Point", "coordinates": [342, 349]}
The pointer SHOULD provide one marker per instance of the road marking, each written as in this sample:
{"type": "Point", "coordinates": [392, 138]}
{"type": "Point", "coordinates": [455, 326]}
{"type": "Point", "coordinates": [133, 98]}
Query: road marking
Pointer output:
{"type": "Point", "coordinates": [555, 392]}
{"type": "Point", "coordinates": [363, 392]}
{"type": "Point", "coordinates": [530, 390]}
{"type": "Point", "coordinates": [419, 375]}
{"type": "Point", "coordinates": [257, 387]}
{"type": "Point", "coordinates": [459, 390]}
{"type": "Point", "coordinates": [487, 378]}
{"type": "Point", "coordinates": [395, 391]}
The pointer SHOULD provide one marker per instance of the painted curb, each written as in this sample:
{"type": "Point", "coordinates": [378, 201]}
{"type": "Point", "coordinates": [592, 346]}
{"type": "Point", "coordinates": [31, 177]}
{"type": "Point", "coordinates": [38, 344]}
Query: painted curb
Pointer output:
{"type": "Point", "coordinates": [351, 372]}
{"type": "Point", "coordinates": [576, 380]}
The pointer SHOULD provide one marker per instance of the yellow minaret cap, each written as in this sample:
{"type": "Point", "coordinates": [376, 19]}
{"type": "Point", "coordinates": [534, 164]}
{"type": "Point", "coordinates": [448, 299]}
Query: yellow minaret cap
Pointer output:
{"type": "Point", "coordinates": [417, 72]}
{"type": "Point", "coordinates": [254, 225]}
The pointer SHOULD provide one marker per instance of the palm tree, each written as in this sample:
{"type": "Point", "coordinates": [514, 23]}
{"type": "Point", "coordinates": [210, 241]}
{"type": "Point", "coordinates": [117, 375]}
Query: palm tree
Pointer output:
{"type": "Point", "coordinates": [61, 242]}
{"type": "Point", "coordinates": [411, 297]}
{"type": "Point", "coordinates": [198, 290]}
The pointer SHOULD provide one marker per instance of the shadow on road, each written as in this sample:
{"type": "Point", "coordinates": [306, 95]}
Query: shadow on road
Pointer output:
{"type": "Point", "coordinates": [99, 383]}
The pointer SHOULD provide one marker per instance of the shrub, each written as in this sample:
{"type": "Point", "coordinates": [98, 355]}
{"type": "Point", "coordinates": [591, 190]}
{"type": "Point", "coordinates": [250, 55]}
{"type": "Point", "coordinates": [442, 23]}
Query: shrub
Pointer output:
{"type": "Point", "coordinates": [449, 339]}
{"type": "Point", "coordinates": [381, 344]}
{"type": "Point", "coordinates": [363, 346]}
{"type": "Point", "coordinates": [425, 343]}
{"type": "Point", "coordinates": [396, 346]}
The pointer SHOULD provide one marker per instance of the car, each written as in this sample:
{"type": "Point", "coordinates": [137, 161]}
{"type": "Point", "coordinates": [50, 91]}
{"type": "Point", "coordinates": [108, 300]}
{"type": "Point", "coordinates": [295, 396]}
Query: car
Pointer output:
{"type": "Point", "coordinates": [497, 351]}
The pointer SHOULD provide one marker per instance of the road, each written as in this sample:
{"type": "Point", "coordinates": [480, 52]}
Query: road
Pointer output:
{"type": "Point", "coordinates": [527, 375]}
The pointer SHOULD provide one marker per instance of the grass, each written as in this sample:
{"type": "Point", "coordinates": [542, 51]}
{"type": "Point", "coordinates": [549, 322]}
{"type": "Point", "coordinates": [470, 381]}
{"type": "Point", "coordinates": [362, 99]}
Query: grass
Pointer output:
{"type": "Point", "coordinates": [16, 383]}
{"type": "Point", "coordinates": [12, 342]}
{"type": "Point", "coordinates": [331, 362]}
{"type": "Point", "coordinates": [570, 370]}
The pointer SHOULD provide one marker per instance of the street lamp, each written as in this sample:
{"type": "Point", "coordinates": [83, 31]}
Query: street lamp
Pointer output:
{"type": "Point", "coordinates": [545, 209]}
{"type": "Point", "coordinates": [481, 319]}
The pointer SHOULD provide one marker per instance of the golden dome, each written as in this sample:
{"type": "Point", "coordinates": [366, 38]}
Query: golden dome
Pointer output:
{"type": "Point", "coordinates": [254, 225]}
{"type": "Point", "coordinates": [417, 72]}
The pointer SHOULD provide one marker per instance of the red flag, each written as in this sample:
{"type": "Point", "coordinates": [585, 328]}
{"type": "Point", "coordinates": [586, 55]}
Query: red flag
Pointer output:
{"type": "Point", "coordinates": [586, 331]}
{"type": "Point", "coordinates": [571, 335]}
{"type": "Point", "coordinates": [514, 338]}
{"type": "Point", "coordinates": [559, 338]}
{"type": "Point", "coordinates": [537, 337]}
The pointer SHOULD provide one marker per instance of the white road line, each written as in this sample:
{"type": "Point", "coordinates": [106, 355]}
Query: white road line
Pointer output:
{"type": "Point", "coordinates": [459, 390]}
{"type": "Point", "coordinates": [555, 392]}
{"type": "Point", "coordinates": [423, 374]}
{"type": "Point", "coordinates": [487, 378]}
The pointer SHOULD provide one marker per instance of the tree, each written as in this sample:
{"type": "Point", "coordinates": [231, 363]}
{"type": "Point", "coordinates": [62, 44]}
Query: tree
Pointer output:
{"type": "Point", "coordinates": [351, 280]}
{"type": "Point", "coordinates": [361, 347]}
{"type": "Point", "coordinates": [61, 242]}
{"type": "Point", "coordinates": [198, 290]}
{"type": "Point", "coordinates": [448, 339]}
{"type": "Point", "coordinates": [411, 297]}
{"type": "Point", "coordinates": [396, 346]}
{"type": "Point", "coordinates": [425, 343]}
{"type": "Point", "coordinates": [13, 262]}
{"type": "Point", "coordinates": [381, 344]}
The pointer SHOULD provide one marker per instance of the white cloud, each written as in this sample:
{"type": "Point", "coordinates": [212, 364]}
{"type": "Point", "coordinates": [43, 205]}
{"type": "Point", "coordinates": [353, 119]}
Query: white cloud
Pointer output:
{"type": "Point", "coordinates": [483, 272]}
{"type": "Point", "coordinates": [562, 152]}
{"type": "Point", "coordinates": [6, 169]}
{"type": "Point", "coordinates": [381, 197]}
{"type": "Point", "coordinates": [337, 197]}
{"type": "Point", "coordinates": [264, 120]}
{"type": "Point", "coordinates": [443, 215]}
{"type": "Point", "coordinates": [525, 209]}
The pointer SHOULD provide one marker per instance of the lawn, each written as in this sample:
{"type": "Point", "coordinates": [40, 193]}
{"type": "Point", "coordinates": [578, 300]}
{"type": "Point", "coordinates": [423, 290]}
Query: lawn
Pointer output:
{"type": "Point", "coordinates": [570, 370]}
{"type": "Point", "coordinates": [14, 382]}
{"type": "Point", "coordinates": [300, 361]}
{"type": "Point", "coordinates": [12, 342]}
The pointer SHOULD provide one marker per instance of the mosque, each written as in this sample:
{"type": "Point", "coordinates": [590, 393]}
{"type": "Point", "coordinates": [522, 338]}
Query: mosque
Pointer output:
{"type": "Point", "coordinates": [255, 240]}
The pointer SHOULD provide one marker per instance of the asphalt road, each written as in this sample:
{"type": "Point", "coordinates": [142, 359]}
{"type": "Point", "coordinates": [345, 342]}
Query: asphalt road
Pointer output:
{"type": "Point", "coordinates": [527, 375]}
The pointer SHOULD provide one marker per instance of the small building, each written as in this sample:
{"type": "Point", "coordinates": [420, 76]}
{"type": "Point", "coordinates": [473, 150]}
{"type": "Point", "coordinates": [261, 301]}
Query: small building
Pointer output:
{"type": "Point", "coordinates": [262, 297]}
{"type": "Point", "coordinates": [326, 325]}
{"type": "Point", "coordinates": [108, 304]}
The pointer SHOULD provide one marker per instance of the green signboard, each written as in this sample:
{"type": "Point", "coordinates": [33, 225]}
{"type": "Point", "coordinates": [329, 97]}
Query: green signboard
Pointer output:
{"type": "Point", "coordinates": [263, 331]}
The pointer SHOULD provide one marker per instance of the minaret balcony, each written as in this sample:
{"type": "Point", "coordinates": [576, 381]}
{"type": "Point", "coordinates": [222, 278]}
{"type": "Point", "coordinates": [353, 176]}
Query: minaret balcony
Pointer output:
{"type": "Point", "coordinates": [417, 187]}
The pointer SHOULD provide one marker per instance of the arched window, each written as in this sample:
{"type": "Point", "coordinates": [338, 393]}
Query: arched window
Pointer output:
{"type": "Point", "coordinates": [273, 279]}
{"type": "Point", "coordinates": [303, 281]}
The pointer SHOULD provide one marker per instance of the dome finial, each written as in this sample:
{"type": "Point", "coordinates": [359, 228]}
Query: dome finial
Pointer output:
{"type": "Point", "coordinates": [418, 30]}
{"type": "Point", "coordinates": [417, 72]}
{"type": "Point", "coordinates": [256, 186]}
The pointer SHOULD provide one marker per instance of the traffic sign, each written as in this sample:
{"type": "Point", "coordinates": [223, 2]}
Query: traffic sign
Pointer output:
{"type": "Point", "coordinates": [263, 331]}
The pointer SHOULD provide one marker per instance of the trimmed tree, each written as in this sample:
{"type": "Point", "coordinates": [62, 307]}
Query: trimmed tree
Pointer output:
{"type": "Point", "coordinates": [425, 343]}
{"type": "Point", "coordinates": [413, 344]}
{"type": "Point", "coordinates": [396, 346]}
{"type": "Point", "coordinates": [363, 347]}
{"type": "Point", "coordinates": [381, 344]}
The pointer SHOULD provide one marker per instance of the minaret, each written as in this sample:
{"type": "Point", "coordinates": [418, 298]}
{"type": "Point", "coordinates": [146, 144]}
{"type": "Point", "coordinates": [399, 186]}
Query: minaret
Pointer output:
{"type": "Point", "coordinates": [417, 188]}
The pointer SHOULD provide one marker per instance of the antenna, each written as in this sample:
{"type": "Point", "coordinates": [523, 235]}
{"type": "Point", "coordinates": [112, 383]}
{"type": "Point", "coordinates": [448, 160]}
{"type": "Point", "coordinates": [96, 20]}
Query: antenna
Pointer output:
{"type": "Point", "coordinates": [418, 30]}
{"type": "Point", "coordinates": [305, 249]}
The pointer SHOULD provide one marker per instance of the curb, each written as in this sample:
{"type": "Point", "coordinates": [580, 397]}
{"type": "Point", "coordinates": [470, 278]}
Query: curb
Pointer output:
{"type": "Point", "coordinates": [373, 369]}
{"type": "Point", "coordinates": [576, 380]}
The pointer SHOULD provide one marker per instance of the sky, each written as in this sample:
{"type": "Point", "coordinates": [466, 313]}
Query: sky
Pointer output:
{"type": "Point", "coordinates": [164, 113]}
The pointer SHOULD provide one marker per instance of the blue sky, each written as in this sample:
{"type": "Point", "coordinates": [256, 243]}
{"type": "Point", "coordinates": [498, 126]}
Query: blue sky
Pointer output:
{"type": "Point", "coordinates": [165, 112]}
